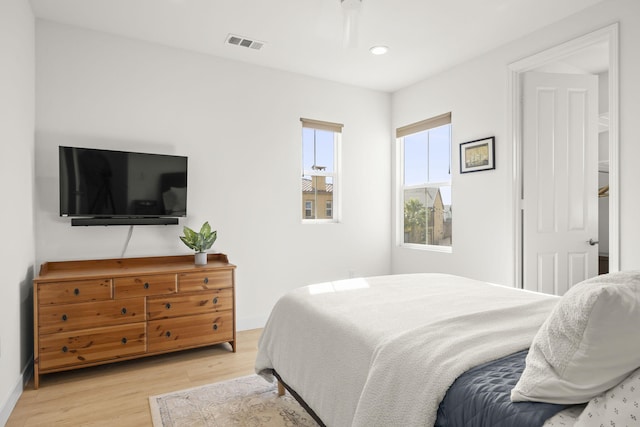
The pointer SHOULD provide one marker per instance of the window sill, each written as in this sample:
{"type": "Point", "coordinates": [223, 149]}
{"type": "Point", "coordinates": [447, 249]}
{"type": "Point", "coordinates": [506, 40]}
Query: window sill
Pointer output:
{"type": "Point", "coordinates": [429, 248]}
{"type": "Point", "coordinates": [319, 221]}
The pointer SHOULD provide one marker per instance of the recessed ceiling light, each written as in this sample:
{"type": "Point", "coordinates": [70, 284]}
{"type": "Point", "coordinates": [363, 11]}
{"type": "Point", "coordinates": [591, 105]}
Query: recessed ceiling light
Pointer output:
{"type": "Point", "coordinates": [379, 50]}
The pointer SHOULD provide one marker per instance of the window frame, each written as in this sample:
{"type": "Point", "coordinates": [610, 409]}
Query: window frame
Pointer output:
{"type": "Point", "coordinates": [401, 133]}
{"type": "Point", "coordinates": [335, 176]}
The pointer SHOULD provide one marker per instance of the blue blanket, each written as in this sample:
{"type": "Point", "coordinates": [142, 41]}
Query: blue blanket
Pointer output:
{"type": "Point", "coordinates": [481, 398]}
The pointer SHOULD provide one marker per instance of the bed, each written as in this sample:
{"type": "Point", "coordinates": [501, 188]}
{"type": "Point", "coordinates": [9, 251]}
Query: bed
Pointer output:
{"type": "Point", "coordinates": [389, 350]}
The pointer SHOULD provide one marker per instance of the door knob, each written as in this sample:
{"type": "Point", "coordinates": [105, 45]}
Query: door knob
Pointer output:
{"type": "Point", "coordinates": [592, 242]}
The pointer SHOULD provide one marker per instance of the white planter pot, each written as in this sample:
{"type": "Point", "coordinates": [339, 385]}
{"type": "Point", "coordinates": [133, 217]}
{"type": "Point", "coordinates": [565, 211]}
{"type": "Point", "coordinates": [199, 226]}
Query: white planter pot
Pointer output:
{"type": "Point", "coordinates": [201, 258]}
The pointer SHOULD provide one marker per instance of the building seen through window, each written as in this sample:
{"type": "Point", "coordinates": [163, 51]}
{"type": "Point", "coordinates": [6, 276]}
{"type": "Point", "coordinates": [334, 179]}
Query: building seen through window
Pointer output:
{"type": "Point", "coordinates": [317, 191]}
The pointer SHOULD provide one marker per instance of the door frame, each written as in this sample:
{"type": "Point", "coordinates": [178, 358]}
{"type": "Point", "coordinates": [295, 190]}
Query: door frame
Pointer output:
{"type": "Point", "coordinates": [607, 34]}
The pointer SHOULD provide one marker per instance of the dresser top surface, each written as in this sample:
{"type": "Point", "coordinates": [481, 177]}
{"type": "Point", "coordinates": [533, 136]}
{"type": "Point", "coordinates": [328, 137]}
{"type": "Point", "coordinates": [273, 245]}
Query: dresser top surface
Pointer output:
{"type": "Point", "coordinates": [70, 270]}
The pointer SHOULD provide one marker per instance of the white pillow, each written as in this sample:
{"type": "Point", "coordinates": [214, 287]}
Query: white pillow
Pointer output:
{"type": "Point", "coordinates": [618, 406]}
{"type": "Point", "coordinates": [588, 344]}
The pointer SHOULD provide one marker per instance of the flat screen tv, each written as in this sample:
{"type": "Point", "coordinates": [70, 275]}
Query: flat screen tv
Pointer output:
{"type": "Point", "coordinates": [105, 187]}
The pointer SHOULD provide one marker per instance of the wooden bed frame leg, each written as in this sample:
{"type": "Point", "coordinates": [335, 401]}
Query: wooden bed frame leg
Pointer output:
{"type": "Point", "coordinates": [281, 389]}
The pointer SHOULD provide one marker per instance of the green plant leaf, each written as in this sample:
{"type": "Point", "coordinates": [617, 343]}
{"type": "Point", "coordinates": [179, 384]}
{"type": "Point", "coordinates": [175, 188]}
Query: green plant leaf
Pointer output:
{"type": "Point", "coordinates": [189, 238]}
{"type": "Point", "coordinates": [188, 243]}
{"type": "Point", "coordinates": [201, 241]}
{"type": "Point", "coordinates": [189, 234]}
{"type": "Point", "coordinates": [208, 242]}
{"type": "Point", "coordinates": [206, 229]}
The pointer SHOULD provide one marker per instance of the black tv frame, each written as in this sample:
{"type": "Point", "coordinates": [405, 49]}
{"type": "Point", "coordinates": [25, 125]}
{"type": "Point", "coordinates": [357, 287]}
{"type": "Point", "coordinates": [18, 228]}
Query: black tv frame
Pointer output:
{"type": "Point", "coordinates": [167, 180]}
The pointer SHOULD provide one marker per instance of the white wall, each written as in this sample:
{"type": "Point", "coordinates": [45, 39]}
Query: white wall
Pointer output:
{"type": "Point", "coordinates": [17, 70]}
{"type": "Point", "coordinates": [476, 94]}
{"type": "Point", "coordinates": [239, 125]}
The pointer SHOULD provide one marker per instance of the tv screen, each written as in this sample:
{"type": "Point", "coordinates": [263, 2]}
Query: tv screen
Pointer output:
{"type": "Point", "coordinates": [118, 184]}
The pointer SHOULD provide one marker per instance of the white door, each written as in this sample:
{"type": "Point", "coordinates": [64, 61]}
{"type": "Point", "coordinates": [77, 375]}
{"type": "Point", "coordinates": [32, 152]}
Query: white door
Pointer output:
{"type": "Point", "coordinates": [560, 180]}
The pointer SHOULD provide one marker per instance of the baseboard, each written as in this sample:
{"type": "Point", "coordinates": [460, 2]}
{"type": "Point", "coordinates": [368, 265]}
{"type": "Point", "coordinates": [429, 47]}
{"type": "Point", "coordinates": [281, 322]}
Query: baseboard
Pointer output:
{"type": "Point", "coordinates": [246, 324]}
{"type": "Point", "coordinates": [8, 406]}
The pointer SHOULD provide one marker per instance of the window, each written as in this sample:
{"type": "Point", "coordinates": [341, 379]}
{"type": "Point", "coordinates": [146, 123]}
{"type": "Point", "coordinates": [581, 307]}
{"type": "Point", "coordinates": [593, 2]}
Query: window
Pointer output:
{"type": "Point", "coordinates": [424, 214]}
{"type": "Point", "coordinates": [320, 169]}
{"type": "Point", "coordinates": [308, 208]}
{"type": "Point", "coordinates": [329, 209]}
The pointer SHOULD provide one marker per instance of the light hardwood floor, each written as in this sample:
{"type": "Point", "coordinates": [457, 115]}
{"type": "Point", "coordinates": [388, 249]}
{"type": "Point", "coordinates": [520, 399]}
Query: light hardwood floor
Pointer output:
{"type": "Point", "coordinates": [118, 394]}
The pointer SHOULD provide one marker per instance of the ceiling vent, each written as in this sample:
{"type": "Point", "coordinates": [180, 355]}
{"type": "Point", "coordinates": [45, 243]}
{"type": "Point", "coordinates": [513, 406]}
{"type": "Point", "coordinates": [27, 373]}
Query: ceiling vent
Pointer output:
{"type": "Point", "coordinates": [245, 42]}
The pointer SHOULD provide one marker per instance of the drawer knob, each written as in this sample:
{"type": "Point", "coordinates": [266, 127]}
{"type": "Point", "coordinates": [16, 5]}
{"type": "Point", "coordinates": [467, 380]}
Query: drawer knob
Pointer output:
{"type": "Point", "coordinates": [206, 280]}
{"type": "Point", "coordinates": [215, 300]}
{"type": "Point", "coordinates": [124, 340]}
{"type": "Point", "coordinates": [124, 310]}
{"type": "Point", "coordinates": [64, 317]}
{"type": "Point", "coordinates": [215, 326]}
{"type": "Point", "coordinates": [146, 285]}
{"type": "Point", "coordinates": [65, 349]}
{"type": "Point", "coordinates": [168, 334]}
{"type": "Point", "coordinates": [76, 291]}
{"type": "Point", "coordinates": [168, 305]}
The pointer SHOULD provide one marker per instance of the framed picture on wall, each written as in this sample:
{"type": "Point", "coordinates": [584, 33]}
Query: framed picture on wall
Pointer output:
{"type": "Point", "coordinates": [477, 155]}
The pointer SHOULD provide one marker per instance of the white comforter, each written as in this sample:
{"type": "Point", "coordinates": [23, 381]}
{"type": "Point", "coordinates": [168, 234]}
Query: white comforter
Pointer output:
{"type": "Point", "coordinates": [383, 351]}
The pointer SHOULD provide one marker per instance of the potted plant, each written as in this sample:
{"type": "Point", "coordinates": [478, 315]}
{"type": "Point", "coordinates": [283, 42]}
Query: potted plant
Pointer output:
{"type": "Point", "coordinates": [199, 241]}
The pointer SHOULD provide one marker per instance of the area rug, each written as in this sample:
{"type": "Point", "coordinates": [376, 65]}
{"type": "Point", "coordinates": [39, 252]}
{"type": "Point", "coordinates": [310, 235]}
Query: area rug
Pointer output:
{"type": "Point", "coordinates": [247, 401]}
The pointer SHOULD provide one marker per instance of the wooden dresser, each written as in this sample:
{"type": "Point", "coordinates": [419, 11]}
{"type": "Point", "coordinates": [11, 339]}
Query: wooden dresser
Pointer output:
{"type": "Point", "coordinates": [88, 313]}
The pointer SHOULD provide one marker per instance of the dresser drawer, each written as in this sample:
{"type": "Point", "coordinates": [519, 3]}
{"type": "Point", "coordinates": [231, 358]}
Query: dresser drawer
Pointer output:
{"type": "Point", "coordinates": [190, 331]}
{"type": "Point", "coordinates": [139, 286]}
{"type": "Point", "coordinates": [205, 280]}
{"type": "Point", "coordinates": [71, 317]}
{"type": "Point", "coordinates": [66, 349]}
{"type": "Point", "coordinates": [188, 304]}
{"type": "Point", "coordinates": [74, 291]}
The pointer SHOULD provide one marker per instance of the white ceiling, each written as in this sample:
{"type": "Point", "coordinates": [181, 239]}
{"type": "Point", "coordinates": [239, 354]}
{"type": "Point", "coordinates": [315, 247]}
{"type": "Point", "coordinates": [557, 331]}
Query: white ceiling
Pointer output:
{"type": "Point", "coordinates": [305, 36]}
